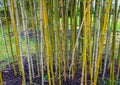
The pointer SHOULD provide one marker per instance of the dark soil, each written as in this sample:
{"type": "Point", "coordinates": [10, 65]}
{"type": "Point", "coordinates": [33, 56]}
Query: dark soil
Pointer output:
{"type": "Point", "coordinates": [10, 79]}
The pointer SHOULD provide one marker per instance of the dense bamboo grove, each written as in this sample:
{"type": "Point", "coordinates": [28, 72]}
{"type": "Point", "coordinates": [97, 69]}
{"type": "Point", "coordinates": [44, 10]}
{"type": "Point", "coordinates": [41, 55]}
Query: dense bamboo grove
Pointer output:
{"type": "Point", "coordinates": [68, 37]}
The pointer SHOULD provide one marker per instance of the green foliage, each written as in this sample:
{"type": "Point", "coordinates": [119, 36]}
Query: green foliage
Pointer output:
{"type": "Point", "coordinates": [2, 47]}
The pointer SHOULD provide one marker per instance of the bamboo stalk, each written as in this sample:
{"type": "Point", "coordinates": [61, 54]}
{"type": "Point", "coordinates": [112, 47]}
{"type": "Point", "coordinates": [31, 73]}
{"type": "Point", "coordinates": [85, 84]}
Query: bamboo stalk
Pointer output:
{"type": "Point", "coordinates": [113, 45]}
{"type": "Point", "coordinates": [63, 39]}
{"type": "Point", "coordinates": [20, 40]}
{"type": "Point", "coordinates": [57, 41]}
{"type": "Point", "coordinates": [102, 42]}
{"type": "Point", "coordinates": [47, 40]}
{"type": "Point", "coordinates": [52, 38]}
{"type": "Point", "coordinates": [118, 62]}
{"type": "Point", "coordinates": [83, 79]}
{"type": "Point", "coordinates": [73, 29]}
{"type": "Point", "coordinates": [81, 17]}
{"type": "Point", "coordinates": [67, 29]}
{"type": "Point", "coordinates": [9, 36]}
{"type": "Point", "coordinates": [16, 40]}
{"type": "Point", "coordinates": [1, 80]}
{"type": "Point", "coordinates": [89, 41]}
{"type": "Point", "coordinates": [41, 31]}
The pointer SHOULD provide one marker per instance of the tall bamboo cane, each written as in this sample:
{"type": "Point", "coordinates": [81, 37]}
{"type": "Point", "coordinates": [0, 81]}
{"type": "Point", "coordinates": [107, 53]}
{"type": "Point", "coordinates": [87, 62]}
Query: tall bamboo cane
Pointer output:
{"type": "Point", "coordinates": [118, 62]}
{"type": "Point", "coordinates": [52, 38]}
{"type": "Point", "coordinates": [20, 39]}
{"type": "Point", "coordinates": [47, 39]}
{"type": "Point", "coordinates": [89, 40]}
{"type": "Point", "coordinates": [57, 41]}
{"type": "Point", "coordinates": [73, 29]}
{"type": "Point", "coordinates": [102, 42]}
{"type": "Point", "coordinates": [84, 64]}
{"type": "Point", "coordinates": [63, 38]}
{"type": "Point", "coordinates": [81, 17]}
{"type": "Point", "coordinates": [41, 31]}
{"type": "Point", "coordinates": [9, 36]}
{"type": "Point", "coordinates": [16, 40]}
{"type": "Point", "coordinates": [113, 45]}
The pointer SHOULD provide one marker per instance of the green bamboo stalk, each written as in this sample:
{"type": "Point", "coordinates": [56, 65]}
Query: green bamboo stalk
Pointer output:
{"type": "Point", "coordinates": [118, 62]}
{"type": "Point", "coordinates": [9, 36]}
{"type": "Point", "coordinates": [73, 29]}
{"type": "Point", "coordinates": [102, 13]}
{"type": "Point", "coordinates": [113, 45]}
{"type": "Point", "coordinates": [84, 66]}
{"type": "Point", "coordinates": [56, 19]}
{"type": "Point", "coordinates": [57, 41]}
{"type": "Point", "coordinates": [81, 17]}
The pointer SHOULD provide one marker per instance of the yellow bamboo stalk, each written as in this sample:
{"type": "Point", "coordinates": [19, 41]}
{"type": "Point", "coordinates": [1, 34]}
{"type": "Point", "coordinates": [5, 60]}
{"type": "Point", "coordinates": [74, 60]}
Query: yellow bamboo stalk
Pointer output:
{"type": "Point", "coordinates": [102, 38]}
{"type": "Point", "coordinates": [1, 80]}
{"type": "Point", "coordinates": [16, 41]}
{"type": "Point", "coordinates": [52, 45]}
{"type": "Point", "coordinates": [47, 40]}
{"type": "Point", "coordinates": [89, 40]}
